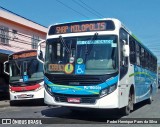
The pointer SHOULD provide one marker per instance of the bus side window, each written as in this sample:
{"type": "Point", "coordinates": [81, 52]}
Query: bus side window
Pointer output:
{"type": "Point", "coordinates": [146, 60]}
{"type": "Point", "coordinates": [132, 51]}
{"type": "Point", "coordinates": [138, 54]}
{"type": "Point", "coordinates": [142, 57]}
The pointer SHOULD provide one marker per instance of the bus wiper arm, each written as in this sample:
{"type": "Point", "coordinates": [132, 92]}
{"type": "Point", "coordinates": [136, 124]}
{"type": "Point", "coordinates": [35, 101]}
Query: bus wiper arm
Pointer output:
{"type": "Point", "coordinates": [19, 67]}
{"type": "Point", "coordinates": [64, 44]}
{"type": "Point", "coordinates": [94, 37]}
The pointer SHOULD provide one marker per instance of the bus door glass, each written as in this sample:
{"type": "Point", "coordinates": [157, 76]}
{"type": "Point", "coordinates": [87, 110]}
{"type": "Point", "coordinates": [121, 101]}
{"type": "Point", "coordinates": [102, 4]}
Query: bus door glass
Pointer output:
{"type": "Point", "coordinates": [123, 39]}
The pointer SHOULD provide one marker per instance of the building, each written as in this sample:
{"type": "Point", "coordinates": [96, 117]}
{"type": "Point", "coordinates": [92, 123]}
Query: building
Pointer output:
{"type": "Point", "coordinates": [16, 34]}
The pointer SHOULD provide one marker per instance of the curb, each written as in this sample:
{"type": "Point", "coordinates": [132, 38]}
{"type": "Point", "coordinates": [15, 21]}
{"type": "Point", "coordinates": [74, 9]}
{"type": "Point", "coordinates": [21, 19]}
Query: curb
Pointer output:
{"type": "Point", "coordinates": [4, 103]}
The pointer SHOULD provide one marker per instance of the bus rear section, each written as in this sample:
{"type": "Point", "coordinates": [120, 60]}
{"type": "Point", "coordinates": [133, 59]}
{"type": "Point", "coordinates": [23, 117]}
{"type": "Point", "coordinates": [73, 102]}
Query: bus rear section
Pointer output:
{"type": "Point", "coordinates": [26, 79]}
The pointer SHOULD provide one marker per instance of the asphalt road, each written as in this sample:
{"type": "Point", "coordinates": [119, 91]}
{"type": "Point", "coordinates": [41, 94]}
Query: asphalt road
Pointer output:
{"type": "Point", "coordinates": [61, 116]}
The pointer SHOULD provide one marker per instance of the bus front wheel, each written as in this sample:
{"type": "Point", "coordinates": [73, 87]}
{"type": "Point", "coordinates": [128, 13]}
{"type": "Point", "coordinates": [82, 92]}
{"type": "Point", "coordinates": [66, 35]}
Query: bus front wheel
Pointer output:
{"type": "Point", "coordinates": [127, 109]}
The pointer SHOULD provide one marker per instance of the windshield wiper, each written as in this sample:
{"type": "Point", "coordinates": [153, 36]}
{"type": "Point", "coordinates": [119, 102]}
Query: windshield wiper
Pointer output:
{"type": "Point", "coordinates": [19, 67]}
{"type": "Point", "coordinates": [93, 38]}
{"type": "Point", "coordinates": [64, 44]}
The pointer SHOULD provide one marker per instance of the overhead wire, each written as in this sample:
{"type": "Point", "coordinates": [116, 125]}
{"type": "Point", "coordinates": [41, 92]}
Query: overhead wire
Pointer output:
{"type": "Point", "coordinates": [91, 8]}
{"type": "Point", "coordinates": [72, 9]}
{"type": "Point", "coordinates": [86, 9]}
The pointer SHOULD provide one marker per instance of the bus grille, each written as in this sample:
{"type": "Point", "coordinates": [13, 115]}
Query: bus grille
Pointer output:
{"type": "Point", "coordinates": [83, 100]}
{"type": "Point", "coordinates": [76, 80]}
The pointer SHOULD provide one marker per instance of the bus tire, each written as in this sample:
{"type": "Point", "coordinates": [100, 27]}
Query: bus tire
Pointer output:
{"type": "Point", "coordinates": [127, 109]}
{"type": "Point", "coordinates": [12, 103]}
{"type": "Point", "coordinates": [150, 99]}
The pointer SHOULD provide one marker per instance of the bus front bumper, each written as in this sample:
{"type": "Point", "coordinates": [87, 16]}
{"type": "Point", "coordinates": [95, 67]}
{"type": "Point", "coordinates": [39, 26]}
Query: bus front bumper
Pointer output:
{"type": "Point", "coordinates": [108, 102]}
{"type": "Point", "coordinates": [27, 95]}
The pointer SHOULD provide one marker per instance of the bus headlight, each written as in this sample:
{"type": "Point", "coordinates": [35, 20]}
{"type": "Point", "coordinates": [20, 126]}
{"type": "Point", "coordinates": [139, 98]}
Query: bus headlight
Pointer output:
{"type": "Point", "coordinates": [48, 89]}
{"type": "Point", "coordinates": [104, 92]}
{"type": "Point", "coordinates": [108, 90]}
{"type": "Point", "coordinates": [112, 88]}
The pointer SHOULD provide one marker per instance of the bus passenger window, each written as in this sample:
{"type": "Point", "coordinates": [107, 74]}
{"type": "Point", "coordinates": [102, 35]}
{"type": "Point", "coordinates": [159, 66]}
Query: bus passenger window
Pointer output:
{"type": "Point", "coordinates": [132, 51]}
{"type": "Point", "coordinates": [137, 54]}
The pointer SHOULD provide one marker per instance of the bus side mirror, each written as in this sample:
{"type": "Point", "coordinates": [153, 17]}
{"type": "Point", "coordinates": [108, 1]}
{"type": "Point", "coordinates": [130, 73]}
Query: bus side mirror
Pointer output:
{"type": "Point", "coordinates": [40, 55]}
{"type": "Point", "coordinates": [5, 64]}
{"type": "Point", "coordinates": [125, 49]}
{"type": "Point", "coordinates": [39, 52]}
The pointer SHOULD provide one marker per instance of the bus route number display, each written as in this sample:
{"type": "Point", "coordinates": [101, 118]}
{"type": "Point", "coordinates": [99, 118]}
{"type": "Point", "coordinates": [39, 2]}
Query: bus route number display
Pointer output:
{"type": "Point", "coordinates": [81, 28]}
{"type": "Point", "coordinates": [87, 26]}
{"type": "Point", "coordinates": [56, 67]}
{"type": "Point", "coordinates": [24, 55]}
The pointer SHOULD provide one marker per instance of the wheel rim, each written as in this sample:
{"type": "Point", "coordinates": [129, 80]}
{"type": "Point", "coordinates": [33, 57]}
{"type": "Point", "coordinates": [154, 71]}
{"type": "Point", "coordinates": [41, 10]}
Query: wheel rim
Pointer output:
{"type": "Point", "coordinates": [150, 94]}
{"type": "Point", "coordinates": [128, 108]}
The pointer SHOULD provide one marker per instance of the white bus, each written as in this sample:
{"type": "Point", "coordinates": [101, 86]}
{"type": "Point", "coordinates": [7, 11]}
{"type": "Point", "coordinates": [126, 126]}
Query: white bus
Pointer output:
{"type": "Point", "coordinates": [97, 64]}
{"type": "Point", "coordinates": [26, 78]}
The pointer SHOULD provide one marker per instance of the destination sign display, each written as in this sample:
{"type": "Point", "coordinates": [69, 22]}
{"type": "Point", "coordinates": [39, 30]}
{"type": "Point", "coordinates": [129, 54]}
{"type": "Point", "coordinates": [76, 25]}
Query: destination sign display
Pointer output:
{"type": "Point", "coordinates": [23, 55]}
{"type": "Point", "coordinates": [87, 26]}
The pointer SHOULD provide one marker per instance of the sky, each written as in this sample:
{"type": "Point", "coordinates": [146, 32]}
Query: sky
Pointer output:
{"type": "Point", "coordinates": [139, 16]}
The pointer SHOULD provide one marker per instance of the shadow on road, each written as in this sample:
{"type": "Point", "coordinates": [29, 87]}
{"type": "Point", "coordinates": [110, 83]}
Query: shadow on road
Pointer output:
{"type": "Point", "coordinates": [85, 115]}
{"type": "Point", "coordinates": [36, 102]}
{"type": "Point", "coordinates": [139, 105]}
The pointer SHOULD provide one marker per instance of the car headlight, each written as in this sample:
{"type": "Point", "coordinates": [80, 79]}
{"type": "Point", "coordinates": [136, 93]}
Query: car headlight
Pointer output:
{"type": "Point", "coordinates": [108, 90]}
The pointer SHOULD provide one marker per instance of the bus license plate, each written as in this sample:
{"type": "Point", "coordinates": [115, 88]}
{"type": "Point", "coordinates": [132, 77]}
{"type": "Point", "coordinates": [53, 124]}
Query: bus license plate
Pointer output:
{"type": "Point", "coordinates": [74, 100]}
{"type": "Point", "coordinates": [25, 96]}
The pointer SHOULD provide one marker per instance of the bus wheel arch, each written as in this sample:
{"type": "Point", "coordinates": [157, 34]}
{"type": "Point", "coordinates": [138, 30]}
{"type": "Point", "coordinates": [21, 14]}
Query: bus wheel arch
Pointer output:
{"type": "Point", "coordinates": [132, 92]}
{"type": "Point", "coordinates": [131, 99]}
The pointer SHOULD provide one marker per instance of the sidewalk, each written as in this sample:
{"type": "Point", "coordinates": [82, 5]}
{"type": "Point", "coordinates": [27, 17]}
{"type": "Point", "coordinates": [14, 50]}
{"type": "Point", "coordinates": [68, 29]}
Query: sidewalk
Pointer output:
{"type": "Point", "coordinates": [4, 103]}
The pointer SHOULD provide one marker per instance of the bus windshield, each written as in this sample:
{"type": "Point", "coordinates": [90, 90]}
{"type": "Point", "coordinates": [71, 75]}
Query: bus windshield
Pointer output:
{"type": "Point", "coordinates": [30, 69]}
{"type": "Point", "coordinates": [90, 55]}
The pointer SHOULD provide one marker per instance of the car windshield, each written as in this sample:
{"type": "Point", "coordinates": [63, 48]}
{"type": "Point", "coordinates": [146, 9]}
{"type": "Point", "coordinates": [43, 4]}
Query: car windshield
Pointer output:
{"type": "Point", "coordinates": [90, 55]}
{"type": "Point", "coordinates": [25, 70]}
